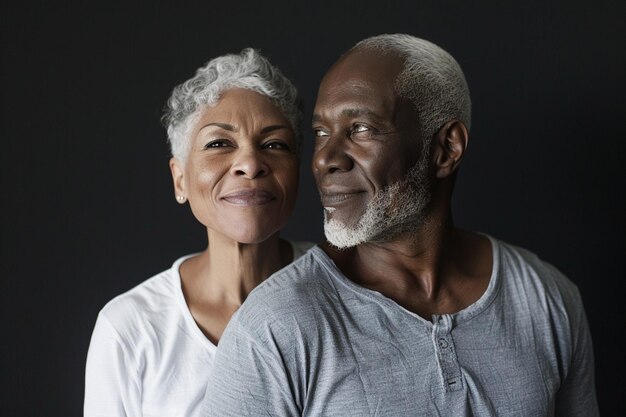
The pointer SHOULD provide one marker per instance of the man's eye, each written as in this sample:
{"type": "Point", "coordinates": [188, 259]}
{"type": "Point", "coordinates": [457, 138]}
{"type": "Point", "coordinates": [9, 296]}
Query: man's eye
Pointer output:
{"type": "Point", "coordinates": [217, 143]}
{"type": "Point", "coordinates": [274, 144]}
{"type": "Point", "coordinates": [358, 128]}
{"type": "Point", "coordinates": [319, 133]}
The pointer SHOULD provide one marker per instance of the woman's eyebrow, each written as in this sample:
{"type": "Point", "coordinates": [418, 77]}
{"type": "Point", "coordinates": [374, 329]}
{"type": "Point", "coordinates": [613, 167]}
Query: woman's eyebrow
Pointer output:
{"type": "Point", "coordinates": [273, 127]}
{"type": "Point", "coordinates": [232, 128]}
{"type": "Point", "coordinates": [224, 126]}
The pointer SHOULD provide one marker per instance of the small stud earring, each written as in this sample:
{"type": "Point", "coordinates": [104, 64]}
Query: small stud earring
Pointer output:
{"type": "Point", "coordinates": [181, 199]}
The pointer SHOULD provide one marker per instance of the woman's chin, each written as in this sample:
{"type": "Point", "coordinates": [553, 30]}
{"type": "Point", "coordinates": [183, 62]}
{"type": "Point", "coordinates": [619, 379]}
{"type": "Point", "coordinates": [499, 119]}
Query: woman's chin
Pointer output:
{"type": "Point", "coordinates": [248, 235]}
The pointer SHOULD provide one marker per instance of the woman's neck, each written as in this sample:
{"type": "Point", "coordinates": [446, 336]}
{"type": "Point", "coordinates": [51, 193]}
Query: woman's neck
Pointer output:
{"type": "Point", "coordinates": [216, 282]}
{"type": "Point", "coordinates": [227, 271]}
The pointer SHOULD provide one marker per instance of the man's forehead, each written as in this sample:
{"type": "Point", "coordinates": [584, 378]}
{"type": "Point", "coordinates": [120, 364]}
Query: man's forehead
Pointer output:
{"type": "Point", "coordinates": [365, 65]}
{"type": "Point", "coordinates": [360, 81]}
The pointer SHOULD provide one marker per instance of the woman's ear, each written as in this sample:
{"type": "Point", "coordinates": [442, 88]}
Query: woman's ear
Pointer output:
{"type": "Point", "coordinates": [450, 146]}
{"type": "Point", "coordinates": [178, 177]}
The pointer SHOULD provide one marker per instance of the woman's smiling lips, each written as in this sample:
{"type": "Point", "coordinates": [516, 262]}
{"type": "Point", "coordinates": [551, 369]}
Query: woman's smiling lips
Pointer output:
{"type": "Point", "coordinates": [249, 197]}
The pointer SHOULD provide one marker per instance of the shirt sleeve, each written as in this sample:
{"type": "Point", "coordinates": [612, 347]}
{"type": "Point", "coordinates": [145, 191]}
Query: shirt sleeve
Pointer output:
{"type": "Point", "coordinates": [249, 377]}
{"type": "Point", "coordinates": [111, 380]}
{"type": "Point", "coordinates": [577, 394]}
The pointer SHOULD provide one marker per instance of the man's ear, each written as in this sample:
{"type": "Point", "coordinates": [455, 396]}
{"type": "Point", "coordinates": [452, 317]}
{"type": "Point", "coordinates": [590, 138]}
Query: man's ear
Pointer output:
{"type": "Point", "coordinates": [178, 177]}
{"type": "Point", "coordinates": [450, 146]}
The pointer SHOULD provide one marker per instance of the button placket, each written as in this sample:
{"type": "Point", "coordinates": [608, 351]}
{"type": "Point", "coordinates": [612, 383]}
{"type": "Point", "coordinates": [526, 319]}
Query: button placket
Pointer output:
{"type": "Point", "coordinates": [449, 368]}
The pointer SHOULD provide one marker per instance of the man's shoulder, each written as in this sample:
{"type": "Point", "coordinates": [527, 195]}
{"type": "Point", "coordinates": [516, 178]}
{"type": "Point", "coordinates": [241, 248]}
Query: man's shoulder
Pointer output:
{"type": "Point", "coordinates": [534, 271]}
{"type": "Point", "coordinates": [307, 273]}
{"type": "Point", "coordinates": [291, 290]}
{"type": "Point", "coordinates": [300, 248]}
{"type": "Point", "coordinates": [301, 271]}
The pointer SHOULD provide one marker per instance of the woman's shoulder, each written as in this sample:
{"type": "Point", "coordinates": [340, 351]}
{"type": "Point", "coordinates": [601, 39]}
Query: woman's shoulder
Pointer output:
{"type": "Point", "coordinates": [146, 302]}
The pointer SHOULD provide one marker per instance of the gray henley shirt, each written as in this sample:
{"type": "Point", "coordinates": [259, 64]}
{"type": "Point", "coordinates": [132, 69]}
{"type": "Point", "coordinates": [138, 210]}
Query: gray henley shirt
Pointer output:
{"type": "Point", "coordinates": [310, 342]}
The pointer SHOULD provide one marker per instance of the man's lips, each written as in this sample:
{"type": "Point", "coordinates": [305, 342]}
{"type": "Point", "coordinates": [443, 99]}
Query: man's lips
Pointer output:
{"type": "Point", "coordinates": [250, 197]}
{"type": "Point", "coordinates": [331, 198]}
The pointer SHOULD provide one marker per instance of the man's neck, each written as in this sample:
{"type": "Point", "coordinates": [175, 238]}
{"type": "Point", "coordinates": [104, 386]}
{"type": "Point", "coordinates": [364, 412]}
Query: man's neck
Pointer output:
{"type": "Point", "coordinates": [437, 269]}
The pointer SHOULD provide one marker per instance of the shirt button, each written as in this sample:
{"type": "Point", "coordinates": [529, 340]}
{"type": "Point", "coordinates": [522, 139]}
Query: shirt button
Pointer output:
{"type": "Point", "coordinates": [443, 343]}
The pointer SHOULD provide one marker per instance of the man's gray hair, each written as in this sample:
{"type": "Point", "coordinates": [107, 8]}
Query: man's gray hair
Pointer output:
{"type": "Point", "coordinates": [248, 70]}
{"type": "Point", "coordinates": [431, 79]}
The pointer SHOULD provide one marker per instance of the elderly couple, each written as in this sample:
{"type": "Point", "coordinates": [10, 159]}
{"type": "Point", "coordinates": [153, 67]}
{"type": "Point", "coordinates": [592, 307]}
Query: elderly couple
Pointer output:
{"type": "Point", "coordinates": [397, 313]}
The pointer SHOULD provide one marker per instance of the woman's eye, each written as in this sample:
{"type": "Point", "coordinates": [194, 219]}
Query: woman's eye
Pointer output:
{"type": "Point", "coordinates": [276, 145]}
{"type": "Point", "coordinates": [218, 143]}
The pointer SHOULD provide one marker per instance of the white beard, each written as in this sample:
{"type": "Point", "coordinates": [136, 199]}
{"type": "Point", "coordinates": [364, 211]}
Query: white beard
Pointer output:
{"type": "Point", "coordinates": [396, 209]}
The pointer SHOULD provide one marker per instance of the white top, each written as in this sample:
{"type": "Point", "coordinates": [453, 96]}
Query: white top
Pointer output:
{"type": "Point", "coordinates": [147, 356]}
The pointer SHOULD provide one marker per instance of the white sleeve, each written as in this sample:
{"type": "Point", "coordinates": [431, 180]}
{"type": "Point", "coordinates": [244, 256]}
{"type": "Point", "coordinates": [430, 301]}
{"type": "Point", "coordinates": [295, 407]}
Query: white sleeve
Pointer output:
{"type": "Point", "coordinates": [112, 386]}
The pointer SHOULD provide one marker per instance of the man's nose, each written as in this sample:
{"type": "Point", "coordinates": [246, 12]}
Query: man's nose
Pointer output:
{"type": "Point", "coordinates": [332, 156]}
{"type": "Point", "coordinates": [250, 164]}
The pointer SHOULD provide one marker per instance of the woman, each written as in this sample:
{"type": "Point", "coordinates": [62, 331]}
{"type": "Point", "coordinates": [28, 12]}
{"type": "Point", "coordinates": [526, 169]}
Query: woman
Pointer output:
{"type": "Point", "coordinates": [233, 131]}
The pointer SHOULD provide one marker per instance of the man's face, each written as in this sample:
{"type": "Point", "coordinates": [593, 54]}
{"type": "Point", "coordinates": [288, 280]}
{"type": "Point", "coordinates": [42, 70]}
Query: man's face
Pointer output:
{"type": "Point", "coordinates": [369, 164]}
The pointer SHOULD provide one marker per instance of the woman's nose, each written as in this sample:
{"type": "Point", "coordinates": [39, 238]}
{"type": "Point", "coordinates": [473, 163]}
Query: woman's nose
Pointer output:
{"type": "Point", "coordinates": [250, 164]}
{"type": "Point", "coordinates": [332, 156]}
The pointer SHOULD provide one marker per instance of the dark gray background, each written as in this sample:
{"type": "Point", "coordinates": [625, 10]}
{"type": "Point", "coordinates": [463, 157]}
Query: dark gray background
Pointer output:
{"type": "Point", "coordinates": [88, 207]}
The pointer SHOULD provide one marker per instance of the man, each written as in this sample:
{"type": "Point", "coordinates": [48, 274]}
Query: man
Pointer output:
{"type": "Point", "coordinates": [401, 313]}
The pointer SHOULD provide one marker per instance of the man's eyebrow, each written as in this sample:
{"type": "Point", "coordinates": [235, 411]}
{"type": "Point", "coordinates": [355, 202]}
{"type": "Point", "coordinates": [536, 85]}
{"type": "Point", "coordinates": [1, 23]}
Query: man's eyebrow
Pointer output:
{"type": "Point", "coordinates": [355, 112]}
{"type": "Point", "coordinates": [351, 112]}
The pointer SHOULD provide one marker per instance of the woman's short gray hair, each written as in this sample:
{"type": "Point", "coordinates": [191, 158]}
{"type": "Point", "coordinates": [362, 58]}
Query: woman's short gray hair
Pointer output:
{"type": "Point", "coordinates": [248, 70]}
{"type": "Point", "coordinates": [431, 79]}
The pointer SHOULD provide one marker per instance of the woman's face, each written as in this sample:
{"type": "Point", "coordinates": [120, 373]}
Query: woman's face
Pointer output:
{"type": "Point", "coordinates": [241, 174]}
